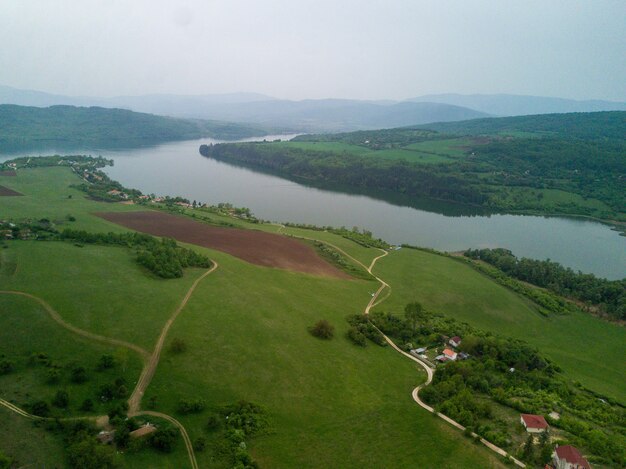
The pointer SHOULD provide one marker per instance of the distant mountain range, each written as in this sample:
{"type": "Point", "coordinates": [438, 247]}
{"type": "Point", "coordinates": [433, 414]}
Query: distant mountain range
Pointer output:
{"type": "Point", "coordinates": [322, 115]}
{"type": "Point", "coordinates": [504, 105]}
{"type": "Point", "coordinates": [318, 115]}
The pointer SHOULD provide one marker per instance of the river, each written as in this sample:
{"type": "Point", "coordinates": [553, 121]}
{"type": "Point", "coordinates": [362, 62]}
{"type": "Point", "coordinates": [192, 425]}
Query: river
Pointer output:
{"type": "Point", "coordinates": [178, 169]}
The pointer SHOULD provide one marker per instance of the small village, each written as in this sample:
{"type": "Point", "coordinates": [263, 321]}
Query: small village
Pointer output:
{"type": "Point", "coordinates": [536, 427]}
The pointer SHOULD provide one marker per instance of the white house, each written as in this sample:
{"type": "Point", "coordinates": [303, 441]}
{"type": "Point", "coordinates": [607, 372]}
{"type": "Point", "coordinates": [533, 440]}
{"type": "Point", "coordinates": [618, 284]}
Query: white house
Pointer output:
{"type": "Point", "coordinates": [534, 423]}
{"type": "Point", "coordinates": [455, 341]}
{"type": "Point", "coordinates": [568, 457]}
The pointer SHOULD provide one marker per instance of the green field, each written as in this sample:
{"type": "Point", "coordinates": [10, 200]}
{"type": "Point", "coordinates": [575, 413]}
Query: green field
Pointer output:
{"type": "Point", "coordinates": [328, 403]}
{"type": "Point", "coordinates": [581, 344]}
{"type": "Point", "coordinates": [438, 151]}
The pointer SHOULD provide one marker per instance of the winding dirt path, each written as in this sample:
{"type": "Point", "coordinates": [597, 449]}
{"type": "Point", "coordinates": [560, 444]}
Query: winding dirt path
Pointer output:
{"type": "Point", "coordinates": [150, 363]}
{"type": "Point", "coordinates": [430, 372]}
{"type": "Point", "coordinates": [88, 335]}
{"type": "Point", "coordinates": [181, 428]}
{"type": "Point", "coordinates": [134, 403]}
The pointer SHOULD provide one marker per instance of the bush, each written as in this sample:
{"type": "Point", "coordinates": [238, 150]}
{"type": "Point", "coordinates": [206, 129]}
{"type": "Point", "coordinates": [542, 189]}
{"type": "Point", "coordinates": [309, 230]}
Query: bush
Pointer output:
{"type": "Point", "coordinates": [163, 439]}
{"type": "Point", "coordinates": [6, 366]}
{"type": "Point", "coordinates": [61, 399]}
{"type": "Point", "coordinates": [322, 329]}
{"type": "Point", "coordinates": [40, 408]}
{"type": "Point", "coordinates": [356, 336]}
{"type": "Point", "coordinates": [106, 361]}
{"type": "Point", "coordinates": [178, 346]}
{"type": "Point", "coordinates": [199, 444]}
{"type": "Point", "coordinates": [87, 405]}
{"type": "Point", "coordinates": [191, 406]}
{"type": "Point", "coordinates": [78, 374]}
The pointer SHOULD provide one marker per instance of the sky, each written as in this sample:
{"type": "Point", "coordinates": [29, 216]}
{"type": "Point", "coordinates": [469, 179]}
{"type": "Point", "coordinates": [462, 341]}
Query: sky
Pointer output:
{"type": "Point", "coordinates": [301, 49]}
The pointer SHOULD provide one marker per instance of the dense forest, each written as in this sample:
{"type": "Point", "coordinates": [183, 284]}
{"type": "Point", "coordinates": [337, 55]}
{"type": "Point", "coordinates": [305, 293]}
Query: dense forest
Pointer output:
{"type": "Point", "coordinates": [557, 164]}
{"type": "Point", "coordinates": [608, 296]}
{"type": "Point", "coordinates": [23, 128]}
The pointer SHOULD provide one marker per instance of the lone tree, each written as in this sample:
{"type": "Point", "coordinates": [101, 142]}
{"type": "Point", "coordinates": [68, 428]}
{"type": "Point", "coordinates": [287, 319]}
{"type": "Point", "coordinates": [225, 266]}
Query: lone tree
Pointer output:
{"type": "Point", "coordinates": [413, 313]}
{"type": "Point", "coordinates": [323, 329]}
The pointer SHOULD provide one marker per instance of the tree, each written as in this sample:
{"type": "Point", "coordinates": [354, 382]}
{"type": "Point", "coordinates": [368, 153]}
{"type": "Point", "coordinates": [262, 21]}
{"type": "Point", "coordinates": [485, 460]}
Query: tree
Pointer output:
{"type": "Point", "coordinates": [323, 329]}
{"type": "Point", "coordinates": [106, 361]}
{"type": "Point", "coordinates": [529, 448]}
{"type": "Point", "coordinates": [414, 312]}
{"type": "Point", "coordinates": [163, 439]}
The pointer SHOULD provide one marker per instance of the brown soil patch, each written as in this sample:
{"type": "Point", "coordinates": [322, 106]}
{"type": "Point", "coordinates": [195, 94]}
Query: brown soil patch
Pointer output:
{"type": "Point", "coordinates": [256, 247]}
{"type": "Point", "coordinates": [6, 192]}
{"type": "Point", "coordinates": [9, 172]}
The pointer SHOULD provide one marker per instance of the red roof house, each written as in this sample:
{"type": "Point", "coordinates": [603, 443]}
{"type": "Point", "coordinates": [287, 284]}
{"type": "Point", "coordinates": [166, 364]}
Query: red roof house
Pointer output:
{"type": "Point", "coordinates": [449, 354]}
{"type": "Point", "coordinates": [568, 457]}
{"type": "Point", "coordinates": [534, 423]}
{"type": "Point", "coordinates": [455, 341]}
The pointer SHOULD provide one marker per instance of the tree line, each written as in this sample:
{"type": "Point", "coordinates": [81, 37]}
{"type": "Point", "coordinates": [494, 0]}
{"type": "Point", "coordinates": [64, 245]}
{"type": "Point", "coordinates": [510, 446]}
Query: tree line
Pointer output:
{"type": "Point", "coordinates": [609, 296]}
{"type": "Point", "coordinates": [163, 257]}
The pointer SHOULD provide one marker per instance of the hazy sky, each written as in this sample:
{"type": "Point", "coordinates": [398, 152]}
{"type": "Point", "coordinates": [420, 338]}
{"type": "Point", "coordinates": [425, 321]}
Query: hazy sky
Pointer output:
{"type": "Point", "coordinates": [300, 49]}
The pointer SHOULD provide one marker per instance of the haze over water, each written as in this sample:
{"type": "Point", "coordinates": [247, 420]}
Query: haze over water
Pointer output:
{"type": "Point", "coordinates": [178, 169]}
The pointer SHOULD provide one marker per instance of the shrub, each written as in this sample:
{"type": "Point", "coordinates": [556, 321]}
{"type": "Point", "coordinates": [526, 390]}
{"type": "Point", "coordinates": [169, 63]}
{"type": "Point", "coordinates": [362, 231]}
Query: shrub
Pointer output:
{"type": "Point", "coordinates": [6, 366]}
{"type": "Point", "coordinates": [191, 406]}
{"type": "Point", "coordinates": [199, 444]}
{"type": "Point", "coordinates": [163, 439]}
{"type": "Point", "coordinates": [40, 408]}
{"type": "Point", "coordinates": [356, 336]}
{"type": "Point", "coordinates": [178, 346]}
{"type": "Point", "coordinates": [87, 405]}
{"type": "Point", "coordinates": [78, 374]}
{"type": "Point", "coordinates": [106, 361]}
{"type": "Point", "coordinates": [323, 329]}
{"type": "Point", "coordinates": [61, 399]}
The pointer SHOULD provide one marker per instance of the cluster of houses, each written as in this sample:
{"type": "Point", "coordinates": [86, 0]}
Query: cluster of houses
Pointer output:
{"type": "Point", "coordinates": [10, 230]}
{"type": "Point", "coordinates": [449, 354]}
{"type": "Point", "coordinates": [564, 456]}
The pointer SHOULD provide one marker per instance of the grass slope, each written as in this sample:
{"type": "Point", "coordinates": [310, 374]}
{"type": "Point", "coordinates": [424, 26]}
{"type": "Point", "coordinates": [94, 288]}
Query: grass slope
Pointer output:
{"type": "Point", "coordinates": [331, 404]}
{"type": "Point", "coordinates": [585, 347]}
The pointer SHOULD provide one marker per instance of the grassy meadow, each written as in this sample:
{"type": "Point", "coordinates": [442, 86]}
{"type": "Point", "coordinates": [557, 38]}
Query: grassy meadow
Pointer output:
{"type": "Point", "coordinates": [584, 346]}
{"type": "Point", "coordinates": [328, 403]}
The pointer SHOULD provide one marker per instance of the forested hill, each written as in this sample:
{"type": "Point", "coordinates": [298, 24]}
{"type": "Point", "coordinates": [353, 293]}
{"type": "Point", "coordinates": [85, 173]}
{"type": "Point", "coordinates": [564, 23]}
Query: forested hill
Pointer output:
{"type": "Point", "coordinates": [571, 164]}
{"type": "Point", "coordinates": [583, 125]}
{"type": "Point", "coordinates": [23, 127]}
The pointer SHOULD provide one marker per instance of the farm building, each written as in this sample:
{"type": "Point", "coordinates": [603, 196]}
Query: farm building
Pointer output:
{"type": "Point", "coordinates": [568, 457]}
{"type": "Point", "coordinates": [143, 431]}
{"type": "Point", "coordinates": [534, 423]}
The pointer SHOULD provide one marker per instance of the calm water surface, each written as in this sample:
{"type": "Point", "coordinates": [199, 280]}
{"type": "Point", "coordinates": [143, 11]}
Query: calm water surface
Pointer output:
{"type": "Point", "coordinates": [178, 169]}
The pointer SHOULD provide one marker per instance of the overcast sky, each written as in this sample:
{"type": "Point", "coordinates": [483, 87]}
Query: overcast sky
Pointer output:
{"type": "Point", "coordinates": [297, 49]}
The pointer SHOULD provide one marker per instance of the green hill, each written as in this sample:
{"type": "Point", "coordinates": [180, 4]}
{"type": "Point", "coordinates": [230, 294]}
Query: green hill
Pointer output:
{"type": "Point", "coordinates": [569, 164]}
{"type": "Point", "coordinates": [24, 128]}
